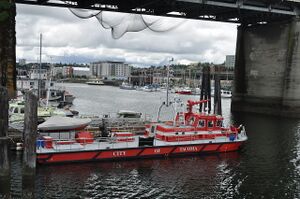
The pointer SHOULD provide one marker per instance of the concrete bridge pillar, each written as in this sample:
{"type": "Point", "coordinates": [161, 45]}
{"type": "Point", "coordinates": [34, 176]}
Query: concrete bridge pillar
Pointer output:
{"type": "Point", "coordinates": [8, 46]}
{"type": "Point", "coordinates": [267, 69]}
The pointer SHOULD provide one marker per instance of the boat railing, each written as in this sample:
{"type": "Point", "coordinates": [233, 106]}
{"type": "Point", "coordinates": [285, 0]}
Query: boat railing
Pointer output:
{"type": "Point", "coordinates": [114, 115]}
{"type": "Point", "coordinates": [83, 143]}
{"type": "Point", "coordinates": [193, 138]}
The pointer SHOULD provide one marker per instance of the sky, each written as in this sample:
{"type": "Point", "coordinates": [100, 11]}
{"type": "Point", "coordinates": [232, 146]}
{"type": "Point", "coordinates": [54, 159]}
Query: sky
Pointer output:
{"type": "Point", "coordinates": [69, 39]}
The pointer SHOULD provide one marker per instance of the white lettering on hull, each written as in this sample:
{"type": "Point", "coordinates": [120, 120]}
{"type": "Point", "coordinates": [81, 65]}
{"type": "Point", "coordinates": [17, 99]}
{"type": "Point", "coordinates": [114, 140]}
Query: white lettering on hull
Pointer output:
{"type": "Point", "coordinates": [119, 153]}
{"type": "Point", "coordinates": [156, 150]}
{"type": "Point", "coordinates": [188, 149]}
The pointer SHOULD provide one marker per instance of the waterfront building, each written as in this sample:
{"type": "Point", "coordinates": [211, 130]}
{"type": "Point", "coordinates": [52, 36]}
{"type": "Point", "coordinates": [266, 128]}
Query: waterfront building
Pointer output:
{"type": "Point", "coordinates": [67, 71]}
{"type": "Point", "coordinates": [230, 61]}
{"type": "Point", "coordinates": [110, 70]}
{"type": "Point", "coordinates": [81, 72]}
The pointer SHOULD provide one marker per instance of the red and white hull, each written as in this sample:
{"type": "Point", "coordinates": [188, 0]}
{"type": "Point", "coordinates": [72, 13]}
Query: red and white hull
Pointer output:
{"type": "Point", "coordinates": [189, 134]}
{"type": "Point", "coordinates": [141, 152]}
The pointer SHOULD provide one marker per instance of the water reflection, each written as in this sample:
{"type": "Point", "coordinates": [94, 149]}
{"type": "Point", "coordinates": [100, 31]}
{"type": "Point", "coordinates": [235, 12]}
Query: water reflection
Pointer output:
{"type": "Point", "coordinates": [153, 178]}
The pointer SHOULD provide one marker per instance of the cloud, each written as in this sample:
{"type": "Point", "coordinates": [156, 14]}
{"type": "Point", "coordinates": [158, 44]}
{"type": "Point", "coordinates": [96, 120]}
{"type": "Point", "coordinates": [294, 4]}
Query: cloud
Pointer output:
{"type": "Point", "coordinates": [67, 38]}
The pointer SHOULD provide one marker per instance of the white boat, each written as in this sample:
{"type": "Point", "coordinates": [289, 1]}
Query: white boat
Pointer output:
{"type": "Point", "coordinates": [127, 86]}
{"type": "Point", "coordinates": [63, 123]}
{"type": "Point", "coordinates": [17, 111]}
{"type": "Point", "coordinates": [224, 93]}
{"type": "Point", "coordinates": [95, 82]}
{"type": "Point", "coordinates": [149, 88]}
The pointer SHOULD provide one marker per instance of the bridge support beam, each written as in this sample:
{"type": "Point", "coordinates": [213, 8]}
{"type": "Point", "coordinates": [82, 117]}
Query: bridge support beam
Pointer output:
{"type": "Point", "coordinates": [267, 71]}
{"type": "Point", "coordinates": [8, 46]}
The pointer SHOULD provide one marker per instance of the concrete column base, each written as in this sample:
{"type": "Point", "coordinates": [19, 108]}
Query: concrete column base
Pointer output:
{"type": "Point", "coordinates": [267, 69]}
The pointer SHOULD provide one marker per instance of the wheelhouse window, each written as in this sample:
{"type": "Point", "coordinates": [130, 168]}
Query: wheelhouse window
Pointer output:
{"type": "Point", "coordinates": [16, 110]}
{"type": "Point", "coordinates": [191, 120]}
{"type": "Point", "coordinates": [210, 124]}
{"type": "Point", "coordinates": [22, 110]}
{"type": "Point", "coordinates": [201, 123]}
{"type": "Point", "coordinates": [219, 123]}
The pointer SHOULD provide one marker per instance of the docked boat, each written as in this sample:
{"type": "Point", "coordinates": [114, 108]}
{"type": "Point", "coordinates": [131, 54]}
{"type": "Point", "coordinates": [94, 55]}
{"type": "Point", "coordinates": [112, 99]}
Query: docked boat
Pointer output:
{"type": "Point", "coordinates": [149, 88]}
{"type": "Point", "coordinates": [68, 98]}
{"type": "Point", "coordinates": [17, 113]}
{"type": "Point", "coordinates": [95, 82]}
{"type": "Point", "coordinates": [184, 91]}
{"type": "Point", "coordinates": [224, 93]}
{"type": "Point", "coordinates": [190, 133]}
{"type": "Point", "coordinates": [127, 86]}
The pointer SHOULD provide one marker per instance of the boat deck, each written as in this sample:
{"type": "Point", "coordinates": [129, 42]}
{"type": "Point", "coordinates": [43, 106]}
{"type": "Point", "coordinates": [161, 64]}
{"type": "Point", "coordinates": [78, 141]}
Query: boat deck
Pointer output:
{"type": "Point", "coordinates": [60, 146]}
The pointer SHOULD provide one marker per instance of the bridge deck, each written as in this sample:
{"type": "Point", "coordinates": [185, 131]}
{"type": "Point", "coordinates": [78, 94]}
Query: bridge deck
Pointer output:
{"type": "Point", "coordinates": [236, 11]}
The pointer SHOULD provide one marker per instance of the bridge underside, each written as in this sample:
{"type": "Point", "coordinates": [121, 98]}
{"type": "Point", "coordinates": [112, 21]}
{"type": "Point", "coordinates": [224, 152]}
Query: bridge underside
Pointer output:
{"type": "Point", "coordinates": [266, 74]}
{"type": "Point", "coordinates": [236, 11]}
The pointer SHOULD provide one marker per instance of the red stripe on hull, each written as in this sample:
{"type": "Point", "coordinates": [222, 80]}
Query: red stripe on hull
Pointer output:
{"type": "Point", "coordinates": [66, 157]}
{"type": "Point", "coordinates": [230, 147]}
{"type": "Point", "coordinates": [212, 147]}
{"type": "Point", "coordinates": [113, 154]}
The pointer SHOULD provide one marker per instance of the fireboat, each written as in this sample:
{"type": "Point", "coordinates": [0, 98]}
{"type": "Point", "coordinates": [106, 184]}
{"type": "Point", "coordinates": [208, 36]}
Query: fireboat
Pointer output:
{"type": "Point", "coordinates": [189, 133]}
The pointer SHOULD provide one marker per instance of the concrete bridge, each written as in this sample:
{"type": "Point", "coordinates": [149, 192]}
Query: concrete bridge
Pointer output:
{"type": "Point", "coordinates": [267, 71]}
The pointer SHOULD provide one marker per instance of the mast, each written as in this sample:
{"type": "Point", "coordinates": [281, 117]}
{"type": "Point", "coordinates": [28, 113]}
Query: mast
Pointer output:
{"type": "Point", "coordinates": [168, 77]}
{"type": "Point", "coordinates": [40, 68]}
{"type": "Point", "coordinates": [167, 103]}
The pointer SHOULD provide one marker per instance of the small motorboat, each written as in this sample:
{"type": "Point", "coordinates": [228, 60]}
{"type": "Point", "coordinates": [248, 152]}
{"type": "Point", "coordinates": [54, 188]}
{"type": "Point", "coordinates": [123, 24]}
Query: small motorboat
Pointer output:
{"type": "Point", "coordinates": [127, 86]}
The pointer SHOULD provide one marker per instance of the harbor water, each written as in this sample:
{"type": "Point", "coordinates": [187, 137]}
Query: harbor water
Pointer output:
{"type": "Point", "coordinates": [267, 167]}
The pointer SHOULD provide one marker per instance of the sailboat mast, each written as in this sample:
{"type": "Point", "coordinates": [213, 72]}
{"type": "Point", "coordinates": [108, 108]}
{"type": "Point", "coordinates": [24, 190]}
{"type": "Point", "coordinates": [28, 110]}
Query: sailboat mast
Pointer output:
{"type": "Point", "coordinates": [168, 78]}
{"type": "Point", "coordinates": [40, 68]}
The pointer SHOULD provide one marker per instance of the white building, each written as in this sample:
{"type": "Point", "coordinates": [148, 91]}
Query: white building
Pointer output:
{"type": "Point", "coordinates": [81, 72]}
{"type": "Point", "coordinates": [230, 61]}
{"type": "Point", "coordinates": [67, 71]}
{"type": "Point", "coordinates": [56, 71]}
{"type": "Point", "coordinates": [110, 70]}
{"type": "Point", "coordinates": [37, 73]}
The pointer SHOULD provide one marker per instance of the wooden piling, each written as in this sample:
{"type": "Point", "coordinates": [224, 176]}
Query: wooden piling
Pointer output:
{"type": "Point", "coordinates": [217, 94]}
{"type": "Point", "coordinates": [4, 151]}
{"type": "Point", "coordinates": [205, 90]}
{"type": "Point", "coordinates": [29, 153]}
{"type": "Point", "coordinates": [30, 131]}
